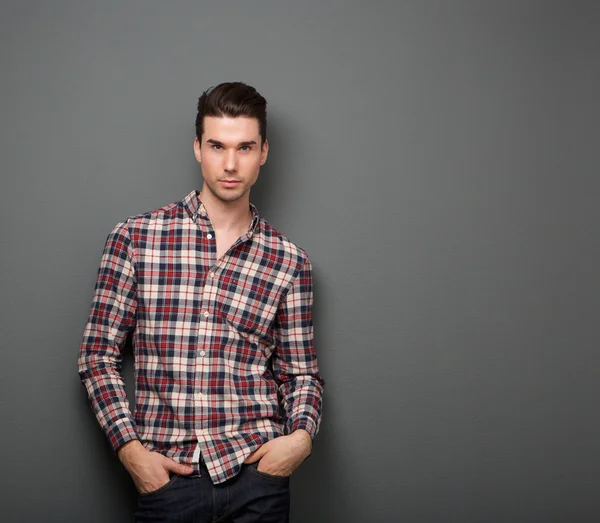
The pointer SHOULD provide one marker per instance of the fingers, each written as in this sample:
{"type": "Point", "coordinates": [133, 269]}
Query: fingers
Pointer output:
{"type": "Point", "coordinates": [177, 468]}
{"type": "Point", "coordinates": [256, 455]}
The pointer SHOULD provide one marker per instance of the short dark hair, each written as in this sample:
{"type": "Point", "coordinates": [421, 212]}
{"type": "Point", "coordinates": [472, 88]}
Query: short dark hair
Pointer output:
{"type": "Point", "coordinates": [232, 99]}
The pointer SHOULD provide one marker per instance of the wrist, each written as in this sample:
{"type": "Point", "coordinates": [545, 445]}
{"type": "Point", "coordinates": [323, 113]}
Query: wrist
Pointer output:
{"type": "Point", "coordinates": [303, 439]}
{"type": "Point", "coordinates": [129, 449]}
{"type": "Point", "coordinates": [303, 435]}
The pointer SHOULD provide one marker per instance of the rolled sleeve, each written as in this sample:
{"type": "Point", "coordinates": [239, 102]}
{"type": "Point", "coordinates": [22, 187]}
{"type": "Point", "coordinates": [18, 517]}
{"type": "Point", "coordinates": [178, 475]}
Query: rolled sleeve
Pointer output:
{"type": "Point", "coordinates": [295, 365]}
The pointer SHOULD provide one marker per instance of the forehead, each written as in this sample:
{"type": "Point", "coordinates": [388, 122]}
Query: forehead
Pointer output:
{"type": "Point", "coordinates": [227, 128]}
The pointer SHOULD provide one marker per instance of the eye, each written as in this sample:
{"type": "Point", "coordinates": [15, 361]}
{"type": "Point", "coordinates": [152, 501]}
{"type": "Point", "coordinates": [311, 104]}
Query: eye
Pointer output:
{"type": "Point", "coordinates": [216, 147]}
{"type": "Point", "coordinates": [245, 147]}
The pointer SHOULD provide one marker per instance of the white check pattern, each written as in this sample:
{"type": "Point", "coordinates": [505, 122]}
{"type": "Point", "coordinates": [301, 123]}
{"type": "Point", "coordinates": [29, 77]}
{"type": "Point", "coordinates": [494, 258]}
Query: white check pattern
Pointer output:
{"type": "Point", "coordinates": [224, 354]}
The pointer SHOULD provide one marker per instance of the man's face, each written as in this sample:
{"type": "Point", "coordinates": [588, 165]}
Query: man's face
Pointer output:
{"type": "Point", "coordinates": [230, 155]}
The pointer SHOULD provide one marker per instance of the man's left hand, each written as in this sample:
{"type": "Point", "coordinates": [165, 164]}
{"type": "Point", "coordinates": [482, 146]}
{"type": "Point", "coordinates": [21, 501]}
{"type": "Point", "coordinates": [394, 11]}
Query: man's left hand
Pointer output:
{"type": "Point", "coordinates": [282, 455]}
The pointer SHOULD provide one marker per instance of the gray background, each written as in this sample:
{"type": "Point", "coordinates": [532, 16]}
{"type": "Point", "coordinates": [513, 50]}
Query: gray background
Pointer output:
{"type": "Point", "coordinates": [439, 163]}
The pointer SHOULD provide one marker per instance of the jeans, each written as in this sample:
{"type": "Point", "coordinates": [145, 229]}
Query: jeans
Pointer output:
{"type": "Point", "coordinates": [251, 496]}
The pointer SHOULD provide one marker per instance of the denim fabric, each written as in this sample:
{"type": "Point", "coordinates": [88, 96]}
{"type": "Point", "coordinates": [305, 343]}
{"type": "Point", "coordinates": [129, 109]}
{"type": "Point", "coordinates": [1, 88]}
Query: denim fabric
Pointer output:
{"type": "Point", "coordinates": [251, 496]}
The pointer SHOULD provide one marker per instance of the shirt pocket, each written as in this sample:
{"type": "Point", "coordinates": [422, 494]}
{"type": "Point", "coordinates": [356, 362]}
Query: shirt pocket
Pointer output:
{"type": "Point", "coordinates": [248, 337]}
{"type": "Point", "coordinates": [248, 306]}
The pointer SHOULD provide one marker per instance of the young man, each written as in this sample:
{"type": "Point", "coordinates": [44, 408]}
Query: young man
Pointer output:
{"type": "Point", "coordinates": [227, 388]}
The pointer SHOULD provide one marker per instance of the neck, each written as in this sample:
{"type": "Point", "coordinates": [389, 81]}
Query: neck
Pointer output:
{"type": "Point", "coordinates": [227, 215]}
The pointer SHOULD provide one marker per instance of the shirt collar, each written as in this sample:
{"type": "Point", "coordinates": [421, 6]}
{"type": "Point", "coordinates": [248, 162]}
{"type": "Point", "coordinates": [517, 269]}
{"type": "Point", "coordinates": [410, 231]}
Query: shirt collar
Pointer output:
{"type": "Point", "coordinates": [196, 209]}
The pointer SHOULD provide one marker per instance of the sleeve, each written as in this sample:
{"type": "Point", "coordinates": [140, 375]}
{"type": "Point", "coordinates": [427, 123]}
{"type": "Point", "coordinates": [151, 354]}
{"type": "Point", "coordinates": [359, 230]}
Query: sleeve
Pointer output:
{"type": "Point", "coordinates": [295, 366]}
{"type": "Point", "coordinates": [112, 316]}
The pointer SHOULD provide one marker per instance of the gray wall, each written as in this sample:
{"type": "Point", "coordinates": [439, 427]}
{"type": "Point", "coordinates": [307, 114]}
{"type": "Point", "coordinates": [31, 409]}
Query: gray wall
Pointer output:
{"type": "Point", "coordinates": [439, 163]}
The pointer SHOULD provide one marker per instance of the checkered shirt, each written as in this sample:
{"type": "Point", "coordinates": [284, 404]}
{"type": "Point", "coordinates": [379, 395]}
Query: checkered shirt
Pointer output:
{"type": "Point", "coordinates": [223, 349]}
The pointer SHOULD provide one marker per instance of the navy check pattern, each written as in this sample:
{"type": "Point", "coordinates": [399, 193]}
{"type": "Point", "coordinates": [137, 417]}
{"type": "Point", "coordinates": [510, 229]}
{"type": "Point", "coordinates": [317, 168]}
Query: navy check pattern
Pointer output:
{"type": "Point", "coordinates": [224, 353]}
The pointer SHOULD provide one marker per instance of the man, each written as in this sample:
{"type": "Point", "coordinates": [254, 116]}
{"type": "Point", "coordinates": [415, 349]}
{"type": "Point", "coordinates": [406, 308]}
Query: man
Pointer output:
{"type": "Point", "coordinates": [227, 388]}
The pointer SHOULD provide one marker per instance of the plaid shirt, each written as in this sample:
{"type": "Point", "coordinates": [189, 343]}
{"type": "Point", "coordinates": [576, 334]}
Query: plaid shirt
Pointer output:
{"type": "Point", "coordinates": [219, 345]}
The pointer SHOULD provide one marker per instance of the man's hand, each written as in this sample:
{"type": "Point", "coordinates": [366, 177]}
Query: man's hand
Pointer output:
{"type": "Point", "coordinates": [149, 470]}
{"type": "Point", "coordinates": [282, 455]}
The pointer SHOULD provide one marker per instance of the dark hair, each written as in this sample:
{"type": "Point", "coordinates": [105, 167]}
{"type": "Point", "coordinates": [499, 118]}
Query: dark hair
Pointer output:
{"type": "Point", "coordinates": [232, 99]}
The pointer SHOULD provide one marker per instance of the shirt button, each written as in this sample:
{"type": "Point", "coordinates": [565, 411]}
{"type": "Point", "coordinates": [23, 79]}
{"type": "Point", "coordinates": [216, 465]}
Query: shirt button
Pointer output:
{"type": "Point", "coordinates": [212, 274]}
{"type": "Point", "coordinates": [209, 236]}
{"type": "Point", "coordinates": [202, 432]}
{"type": "Point", "coordinates": [206, 314]}
{"type": "Point", "coordinates": [202, 353]}
{"type": "Point", "coordinates": [199, 395]}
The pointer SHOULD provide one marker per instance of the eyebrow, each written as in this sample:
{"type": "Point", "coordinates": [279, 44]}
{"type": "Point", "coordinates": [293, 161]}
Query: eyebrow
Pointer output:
{"type": "Point", "coordinates": [217, 142]}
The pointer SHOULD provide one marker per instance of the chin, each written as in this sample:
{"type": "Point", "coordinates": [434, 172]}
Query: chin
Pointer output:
{"type": "Point", "coordinates": [226, 195]}
{"type": "Point", "coordinates": [229, 196]}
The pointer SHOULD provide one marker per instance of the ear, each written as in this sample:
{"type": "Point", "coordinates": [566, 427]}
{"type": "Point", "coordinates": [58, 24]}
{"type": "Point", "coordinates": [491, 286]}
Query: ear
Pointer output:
{"type": "Point", "coordinates": [264, 152]}
{"type": "Point", "coordinates": [197, 151]}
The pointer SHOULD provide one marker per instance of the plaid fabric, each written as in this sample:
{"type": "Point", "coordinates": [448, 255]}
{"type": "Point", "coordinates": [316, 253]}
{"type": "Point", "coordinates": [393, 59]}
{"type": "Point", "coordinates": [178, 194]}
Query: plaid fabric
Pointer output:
{"type": "Point", "coordinates": [219, 345]}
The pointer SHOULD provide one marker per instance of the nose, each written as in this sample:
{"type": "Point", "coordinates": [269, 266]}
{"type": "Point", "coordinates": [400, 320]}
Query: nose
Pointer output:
{"type": "Point", "coordinates": [231, 161]}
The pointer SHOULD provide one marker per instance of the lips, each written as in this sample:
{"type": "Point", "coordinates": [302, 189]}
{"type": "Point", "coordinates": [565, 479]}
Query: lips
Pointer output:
{"type": "Point", "coordinates": [230, 183]}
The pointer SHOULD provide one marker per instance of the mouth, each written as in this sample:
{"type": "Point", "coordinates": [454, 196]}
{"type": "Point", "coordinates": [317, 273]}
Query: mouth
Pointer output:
{"type": "Point", "coordinates": [229, 183]}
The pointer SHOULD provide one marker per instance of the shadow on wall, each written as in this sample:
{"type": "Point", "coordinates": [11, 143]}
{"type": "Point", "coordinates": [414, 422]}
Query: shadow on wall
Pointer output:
{"type": "Point", "coordinates": [109, 477]}
{"type": "Point", "coordinates": [322, 488]}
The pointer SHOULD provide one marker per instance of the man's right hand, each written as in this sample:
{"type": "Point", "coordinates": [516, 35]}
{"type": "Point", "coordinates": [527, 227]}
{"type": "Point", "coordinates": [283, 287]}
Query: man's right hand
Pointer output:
{"type": "Point", "coordinates": [149, 470]}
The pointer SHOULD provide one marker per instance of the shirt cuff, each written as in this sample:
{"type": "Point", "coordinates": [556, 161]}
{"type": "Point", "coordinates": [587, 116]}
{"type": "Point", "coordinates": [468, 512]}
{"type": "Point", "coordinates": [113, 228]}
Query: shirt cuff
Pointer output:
{"type": "Point", "coordinates": [303, 422]}
{"type": "Point", "coordinates": [121, 432]}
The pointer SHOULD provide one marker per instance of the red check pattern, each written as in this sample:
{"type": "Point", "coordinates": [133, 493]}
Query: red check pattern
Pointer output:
{"type": "Point", "coordinates": [224, 354]}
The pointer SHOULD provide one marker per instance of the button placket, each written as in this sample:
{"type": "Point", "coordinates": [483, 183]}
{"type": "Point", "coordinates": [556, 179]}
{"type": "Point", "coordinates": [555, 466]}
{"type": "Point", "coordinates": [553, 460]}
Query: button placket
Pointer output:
{"type": "Point", "coordinates": [201, 361]}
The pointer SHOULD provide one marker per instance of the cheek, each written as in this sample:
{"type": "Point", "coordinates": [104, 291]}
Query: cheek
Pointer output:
{"type": "Point", "coordinates": [210, 162]}
{"type": "Point", "coordinates": [251, 163]}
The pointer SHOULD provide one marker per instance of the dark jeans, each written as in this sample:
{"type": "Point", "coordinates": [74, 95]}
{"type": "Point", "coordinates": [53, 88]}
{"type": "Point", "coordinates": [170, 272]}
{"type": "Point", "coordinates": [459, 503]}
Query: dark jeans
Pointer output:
{"type": "Point", "coordinates": [251, 496]}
